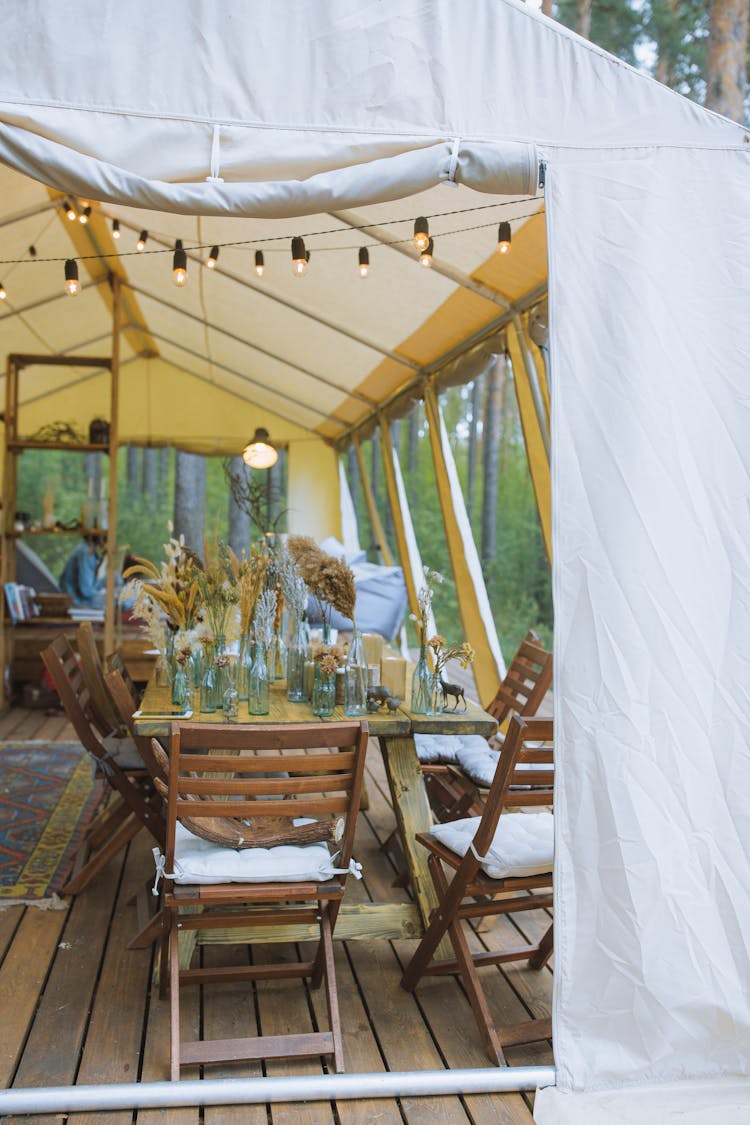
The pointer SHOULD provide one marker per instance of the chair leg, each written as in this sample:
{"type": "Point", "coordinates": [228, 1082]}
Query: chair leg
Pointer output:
{"type": "Point", "coordinates": [174, 998]}
{"type": "Point", "coordinates": [429, 943]}
{"type": "Point", "coordinates": [332, 1000]}
{"type": "Point", "coordinates": [543, 951]}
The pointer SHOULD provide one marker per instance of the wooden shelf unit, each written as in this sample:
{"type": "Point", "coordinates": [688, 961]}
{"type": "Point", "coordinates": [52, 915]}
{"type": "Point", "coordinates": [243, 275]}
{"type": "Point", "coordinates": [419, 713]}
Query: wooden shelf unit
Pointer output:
{"type": "Point", "coordinates": [15, 444]}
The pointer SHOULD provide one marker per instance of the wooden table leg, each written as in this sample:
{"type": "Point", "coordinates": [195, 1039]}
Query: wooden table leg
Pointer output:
{"type": "Point", "coordinates": [413, 814]}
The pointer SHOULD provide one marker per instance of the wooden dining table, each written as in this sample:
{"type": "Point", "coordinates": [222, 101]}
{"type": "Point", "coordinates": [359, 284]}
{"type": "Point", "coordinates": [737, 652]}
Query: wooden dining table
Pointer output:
{"type": "Point", "coordinates": [395, 732]}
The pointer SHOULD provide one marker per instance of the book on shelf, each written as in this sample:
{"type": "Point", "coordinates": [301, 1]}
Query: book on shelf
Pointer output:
{"type": "Point", "coordinates": [20, 601]}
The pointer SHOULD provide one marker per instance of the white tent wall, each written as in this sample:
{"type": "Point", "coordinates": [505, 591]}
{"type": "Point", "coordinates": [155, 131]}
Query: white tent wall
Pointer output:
{"type": "Point", "coordinates": [650, 346]}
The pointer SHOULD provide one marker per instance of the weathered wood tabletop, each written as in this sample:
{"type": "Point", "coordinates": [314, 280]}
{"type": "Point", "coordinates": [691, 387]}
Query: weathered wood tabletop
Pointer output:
{"type": "Point", "coordinates": [395, 731]}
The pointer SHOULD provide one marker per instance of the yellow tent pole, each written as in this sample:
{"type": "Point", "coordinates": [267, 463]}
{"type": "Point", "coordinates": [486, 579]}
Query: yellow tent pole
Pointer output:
{"type": "Point", "coordinates": [473, 603]}
{"type": "Point", "coordinates": [541, 369]}
{"type": "Point", "coordinates": [536, 449]}
{"type": "Point", "coordinates": [372, 511]}
{"type": "Point", "coordinates": [410, 564]}
{"type": "Point", "coordinates": [114, 430]}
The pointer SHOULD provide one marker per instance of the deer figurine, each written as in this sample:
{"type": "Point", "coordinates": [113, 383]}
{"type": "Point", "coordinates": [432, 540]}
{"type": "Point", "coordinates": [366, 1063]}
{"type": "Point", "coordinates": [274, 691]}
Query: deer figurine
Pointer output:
{"type": "Point", "coordinates": [454, 690]}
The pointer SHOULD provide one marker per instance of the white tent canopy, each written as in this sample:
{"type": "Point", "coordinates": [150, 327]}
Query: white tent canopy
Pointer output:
{"type": "Point", "coordinates": [308, 118]}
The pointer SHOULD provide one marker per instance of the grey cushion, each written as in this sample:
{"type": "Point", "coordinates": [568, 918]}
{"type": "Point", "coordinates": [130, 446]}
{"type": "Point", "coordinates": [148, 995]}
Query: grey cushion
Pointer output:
{"type": "Point", "coordinates": [124, 751]}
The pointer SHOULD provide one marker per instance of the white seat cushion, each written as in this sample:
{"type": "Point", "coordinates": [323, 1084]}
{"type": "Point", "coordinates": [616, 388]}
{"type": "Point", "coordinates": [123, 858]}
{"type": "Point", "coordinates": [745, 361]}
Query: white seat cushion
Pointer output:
{"type": "Point", "coordinates": [124, 751]}
{"type": "Point", "coordinates": [199, 861]}
{"type": "Point", "coordinates": [435, 749]}
{"type": "Point", "coordinates": [523, 843]}
{"type": "Point", "coordinates": [479, 763]}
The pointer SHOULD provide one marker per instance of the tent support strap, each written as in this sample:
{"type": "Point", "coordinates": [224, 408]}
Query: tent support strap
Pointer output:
{"type": "Point", "coordinates": [247, 1091]}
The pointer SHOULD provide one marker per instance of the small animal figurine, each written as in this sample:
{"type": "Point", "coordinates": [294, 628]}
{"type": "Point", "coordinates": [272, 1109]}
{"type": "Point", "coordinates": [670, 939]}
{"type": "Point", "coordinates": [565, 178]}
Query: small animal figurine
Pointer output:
{"type": "Point", "coordinates": [393, 703]}
{"type": "Point", "coordinates": [377, 697]}
{"type": "Point", "coordinates": [454, 690]}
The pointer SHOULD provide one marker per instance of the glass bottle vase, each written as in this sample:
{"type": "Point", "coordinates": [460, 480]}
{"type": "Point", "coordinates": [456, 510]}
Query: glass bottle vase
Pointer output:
{"type": "Point", "coordinates": [295, 665]}
{"type": "Point", "coordinates": [324, 692]}
{"type": "Point", "coordinates": [258, 694]}
{"type": "Point", "coordinates": [180, 687]}
{"type": "Point", "coordinates": [421, 685]}
{"type": "Point", "coordinates": [208, 681]}
{"type": "Point", "coordinates": [436, 695]}
{"type": "Point", "coordinates": [231, 701]}
{"type": "Point", "coordinates": [244, 664]}
{"type": "Point", "coordinates": [355, 677]}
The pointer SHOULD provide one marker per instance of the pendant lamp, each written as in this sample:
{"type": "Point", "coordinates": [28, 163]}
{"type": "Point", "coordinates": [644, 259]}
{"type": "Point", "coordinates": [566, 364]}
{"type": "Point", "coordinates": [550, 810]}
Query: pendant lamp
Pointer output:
{"type": "Point", "coordinates": [260, 452]}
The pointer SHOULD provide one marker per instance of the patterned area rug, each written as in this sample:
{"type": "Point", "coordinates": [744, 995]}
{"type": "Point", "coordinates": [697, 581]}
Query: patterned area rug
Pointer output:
{"type": "Point", "coordinates": [48, 797]}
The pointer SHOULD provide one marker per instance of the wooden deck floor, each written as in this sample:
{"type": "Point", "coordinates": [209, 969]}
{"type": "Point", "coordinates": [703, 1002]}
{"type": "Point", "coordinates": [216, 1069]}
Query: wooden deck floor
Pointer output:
{"type": "Point", "coordinates": [78, 1007]}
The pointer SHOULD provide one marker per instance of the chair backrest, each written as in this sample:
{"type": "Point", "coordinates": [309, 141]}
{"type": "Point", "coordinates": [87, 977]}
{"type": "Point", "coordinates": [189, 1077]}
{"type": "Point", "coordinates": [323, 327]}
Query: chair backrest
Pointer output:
{"type": "Point", "coordinates": [524, 776]}
{"type": "Point", "coordinates": [115, 663]}
{"type": "Point", "coordinates": [526, 682]}
{"type": "Point", "coordinates": [124, 705]}
{"type": "Point", "coordinates": [302, 770]}
{"type": "Point", "coordinates": [102, 708]}
{"type": "Point", "coordinates": [62, 664]}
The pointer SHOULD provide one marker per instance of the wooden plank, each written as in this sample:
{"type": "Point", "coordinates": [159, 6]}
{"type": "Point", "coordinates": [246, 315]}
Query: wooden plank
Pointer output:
{"type": "Point", "coordinates": [283, 1008]}
{"type": "Point", "coordinates": [22, 979]}
{"type": "Point", "coordinates": [229, 1013]}
{"type": "Point", "coordinates": [356, 921]}
{"type": "Point", "coordinates": [112, 1050]}
{"type": "Point", "coordinates": [156, 1056]}
{"type": "Point", "coordinates": [51, 1053]}
{"type": "Point", "coordinates": [403, 1036]}
{"type": "Point", "coordinates": [10, 920]}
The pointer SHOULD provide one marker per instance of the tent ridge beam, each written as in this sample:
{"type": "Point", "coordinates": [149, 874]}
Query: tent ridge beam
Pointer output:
{"type": "Point", "coordinates": [533, 297]}
{"type": "Point", "coordinates": [249, 344]}
{"type": "Point", "coordinates": [408, 251]}
{"type": "Point", "coordinates": [338, 328]}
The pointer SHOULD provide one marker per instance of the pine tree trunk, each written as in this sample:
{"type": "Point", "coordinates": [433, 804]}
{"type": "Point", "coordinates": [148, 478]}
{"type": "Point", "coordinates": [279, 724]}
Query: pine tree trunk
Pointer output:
{"type": "Point", "coordinates": [583, 18]}
{"type": "Point", "coordinates": [163, 464]}
{"type": "Point", "coordinates": [726, 55]}
{"type": "Point", "coordinates": [151, 476]}
{"type": "Point", "coordinates": [471, 471]}
{"type": "Point", "coordinates": [190, 498]}
{"type": "Point", "coordinates": [133, 468]}
{"type": "Point", "coordinates": [239, 520]}
{"type": "Point", "coordinates": [491, 450]}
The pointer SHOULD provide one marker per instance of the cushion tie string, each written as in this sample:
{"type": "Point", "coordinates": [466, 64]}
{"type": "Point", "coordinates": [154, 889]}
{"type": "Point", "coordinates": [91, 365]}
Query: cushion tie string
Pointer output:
{"type": "Point", "coordinates": [451, 181]}
{"type": "Point", "coordinates": [354, 869]}
{"type": "Point", "coordinates": [215, 178]}
{"type": "Point", "coordinates": [475, 853]}
{"type": "Point", "coordinates": [161, 870]}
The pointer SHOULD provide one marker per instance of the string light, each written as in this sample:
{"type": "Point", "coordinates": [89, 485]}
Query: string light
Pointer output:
{"type": "Point", "coordinates": [115, 228]}
{"type": "Point", "coordinates": [503, 238]}
{"type": "Point", "coordinates": [179, 265]}
{"type": "Point", "coordinates": [421, 233]}
{"type": "Point", "coordinates": [260, 263]}
{"type": "Point", "coordinates": [300, 257]}
{"type": "Point", "coordinates": [364, 261]}
{"type": "Point", "coordinates": [142, 240]}
{"type": "Point", "coordinates": [69, 211]}
{"type": "Point", "coordinates": [84, 215]}
{"type": "Point", "coordinates": [213, 257]}
{"type": "Point", "coordinates": [425, 258]}
{"type": "Point", "coordinates": [72, 284]}
{"type": "Point", "coordinates": [3, 294]}
{"type": "Point", "coordinates": [32, 251]}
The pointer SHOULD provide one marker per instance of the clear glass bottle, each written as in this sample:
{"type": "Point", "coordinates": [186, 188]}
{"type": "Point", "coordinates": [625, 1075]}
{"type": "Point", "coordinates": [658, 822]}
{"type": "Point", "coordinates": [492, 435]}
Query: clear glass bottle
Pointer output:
{"type": "Point", "coordinates": [355, 677]}
{"type": "Point", "coordinates": [245, 663]}
{"type": "Point", "coordinates": [180, 687]}
{"type": "Point", "coordinates": [421, 685]}
{"type": "Point", "coordinates": [208, 681]}
{"type": "Point", "coordinates": [258, 697]}
{"type": "Point", "coordinates": [436, 695]}
{"type": "Point", "coordinates": [324, 692]}
{"type": "Point", "coordinates": [231, 701]}
{"type": "Point", "coordinates": [295, 664]}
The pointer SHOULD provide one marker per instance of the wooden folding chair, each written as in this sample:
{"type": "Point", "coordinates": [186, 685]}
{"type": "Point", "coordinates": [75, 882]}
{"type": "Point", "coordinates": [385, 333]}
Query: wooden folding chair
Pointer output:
{"type": "Point", "coordinates": [455, 779]}
{"type": "Point", "coordinates": [135, 803]}
{"type": "Point", "coordinates": [115, 663]}
{"type": "Point", "coordinates": [502, 853]}
{"type": "Point", "coordinates": [317, 771]}
{"type": "Point", "coordinates": [102, 710]}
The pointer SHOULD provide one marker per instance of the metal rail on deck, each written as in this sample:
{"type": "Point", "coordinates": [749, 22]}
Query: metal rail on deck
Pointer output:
{"type": "Point", "coordinates": [246, 1091]}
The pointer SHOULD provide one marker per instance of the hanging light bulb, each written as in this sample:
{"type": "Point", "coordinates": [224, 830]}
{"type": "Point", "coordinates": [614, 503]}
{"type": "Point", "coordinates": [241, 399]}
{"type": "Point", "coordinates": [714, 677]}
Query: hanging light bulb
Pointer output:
{"type": "Point", "coordinates": [72, 284]}
{"type": "Point", "coordinates": [421, 233]}
{"type": "Point", "coordinates": [260, 264]}
{"type": "Point", "coordinates": [142, 240]}
{"type": "Point", "coordinates": [179, 265]}
{"type": "Point", "coordinates": [260, 452]}
{"type": "Point", "coordinates": [3, 294]}
{"type": "Point", "coordinates": [115, 228]}
{"type": "Point", "coordinates": [503, 238]}
{"type": "Point", "coordinates": [85, 215]}
{"type": "Point", "coordinates": [364, 261]}
{"type": "Point", "coordinates": [425, 258]}
{"type": "Point", "coordinates": [69, 211]}
{"type": "Point", "coordinates": [300, 257]}
{"type": "Point", "coordinates": [213, 257]}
